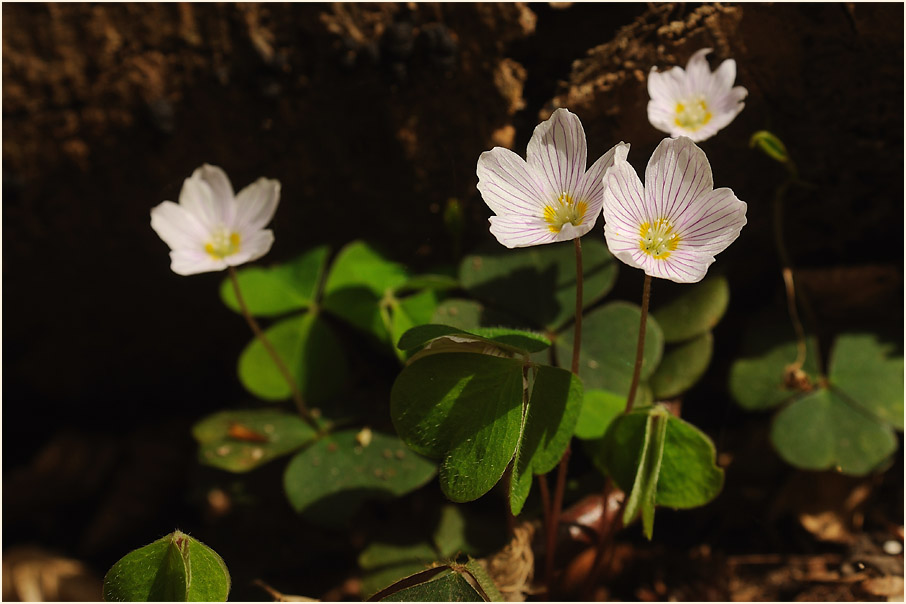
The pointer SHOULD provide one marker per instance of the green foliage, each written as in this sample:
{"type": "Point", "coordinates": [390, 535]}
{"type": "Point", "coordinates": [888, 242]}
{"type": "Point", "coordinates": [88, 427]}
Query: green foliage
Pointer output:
{"type": "Point", "coordinates": [510, 340]}
{"type": "Point", "coordinates": [823, 431]}
{"type": "Point", "coordinates": [769, 144]}
{"type": "Point", "coordinates": [311, 352]}
{"type": "Point", "coordinates": [599, 408]}
{"type": "Point", "coordinates": [610, 337]}
{"type": "Point", "coordinates": [447, 583]}
{"type": "Point", "coordinates": [682, 366]}
{"type": "Point", "coordinates": [538, 284]}
{"type": "Point", "coordinates": [695, 310]}
{"type": "Point", "coordinates": [688, 476]}
{"type": "Point", "coordinates": [644, 488]}
{"type": "Point", "coordinates": [175, 568]}
{"type": "Point", "coordinates": [274, 291]}
{"type": "Point", "coordinates": [345, 468]}
{"type": "Point", "coordinates": [844, 422]}
{"type": "Point", "coordinates": [239, 441]}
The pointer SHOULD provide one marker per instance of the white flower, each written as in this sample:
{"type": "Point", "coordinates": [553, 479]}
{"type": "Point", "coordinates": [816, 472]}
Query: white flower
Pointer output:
{"type": "Point", "coordinates": [673, 226]}
{"type": "Point", "coordinates": [211, 227]}
{"type": "Point", "coordinates": [695, 102]}
{"type": "Point", "coordinates": [550, 197]}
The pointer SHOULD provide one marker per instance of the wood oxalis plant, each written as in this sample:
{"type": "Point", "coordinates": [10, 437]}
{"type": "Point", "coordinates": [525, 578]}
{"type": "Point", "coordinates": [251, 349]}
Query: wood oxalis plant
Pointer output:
{"type": "Point", "coordinates": [509, 360]}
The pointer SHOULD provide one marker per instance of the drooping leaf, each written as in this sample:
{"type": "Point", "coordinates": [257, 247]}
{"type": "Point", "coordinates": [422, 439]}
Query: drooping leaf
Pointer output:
{"type": "Point", "coordinates": [757, 375]}
{"type": "Point", "coordinates": [682, 366]}
{"type": "Point", "coordinates": [641, 499]}
{"type": "Point", "coordinates": [689, 476]}
{"type": "Point", "coordinates": [599, 408]}
{"type": "Point", "coordinates": [609, 339]}
{"type": "Point", "coordinates": [269, 292]}
{"type": "Point", "coordinates": [309, 350]}
{"type": "Point", "coordinates": [239, 441]}
{"type": "Point", "coordinates": [175, 568]}
{"type": "Point", "coordinates": [549, 424]}
{"type": "Point", "coordinates": [695, 310]}
{"type": "Point", "coordinates": [465, 409]}
{"type": "Point", "coordinates": [343, 466]}
{"type": "Point", "coordinates": [538, 283]}
{"type": "Point", "coordinates": [869, 373]}
{"type": "Point", "coordinates": [822, 431]}
{"type": "Point", "coordinates": [512, 339]}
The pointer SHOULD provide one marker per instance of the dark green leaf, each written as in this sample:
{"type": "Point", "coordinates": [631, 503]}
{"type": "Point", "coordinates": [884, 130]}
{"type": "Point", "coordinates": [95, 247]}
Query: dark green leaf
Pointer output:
{"type": "Point", "coordinates": [644, 487]}
{"type": "Point", "coordinates": [549, 423]}
{"type": "Point", "coordinates": [514, 340]}
{"type": "Point", "coordinates": [696, 310]}
{"type": "Point", "coordinates": [538, 284]}
{"type": "Point", "coordinates": [682, 366]}
{"type": "Point", "coordinates": [610, 337]}
{"type": "Point", "coordinates": [239, 441]}
{"type": "Point", "coordinates": [355, 469]}
{"type": "Point", "coordinates": [274, 291]}
{"type": "Point", "coordinates": [599, 408]}
{"type": "Point", "coordinates": [823, 431]}
{"type": "Point", "coordinates": [439, 585]}
{"type": "Point", "coordinates": [309, 350]}
{"type": "Point", "coordinates": [175, 568]}
{"type": "Point", "coordinates": [465, 409]}
{"type": "Point", "coordinates": [469, 314]}
{"type": "Point", "coordinates": [434, 282]}
{"type": "Point", "coordinates": [409, 312]}
{"type": "Point", "coordinates": [870, 374]}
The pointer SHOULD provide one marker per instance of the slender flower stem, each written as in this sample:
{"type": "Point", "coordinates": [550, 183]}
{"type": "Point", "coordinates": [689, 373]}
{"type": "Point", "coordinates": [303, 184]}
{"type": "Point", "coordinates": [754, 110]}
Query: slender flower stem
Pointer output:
{"type": "Point", "coordinates": [640, 348]}
{"type": "Point", "coordinates": [553, 518]}
{"type": "Point", "coordinates": [281, 366]}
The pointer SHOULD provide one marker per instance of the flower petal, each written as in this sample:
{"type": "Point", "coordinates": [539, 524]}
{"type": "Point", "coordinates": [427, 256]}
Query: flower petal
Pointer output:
{"type": "Point", "coordinates": [517, 231]}
{"type": "Point", "coordinates": [557, 153]}
{"type": "Point", "coordinates": [252, 247]}
{"type": "Point", "coordinates": [591, 190]}
{"type": "Point", "coordinates": [507, 186]}
{"type": "Point", "coordinates": [177, 226]}
{"type": "Point", "coordinates": [255, 205]}
{"type": "Point", "coordinates": [723, 77]}
{"type": "Point", "coordinates": [624, 196]}
{"type": "Point", "coordinates": [192, 262]}
{"type": "Point", "coordinates": [677, 174]}
{"type": "Point", "coordinates": [221, 188]}
{"type": "Point", "coordinates": [197, 197]}
{"type": "Point", "coordinates": [712, 223]}
{"type": "Point", "coordinates": [679, 267]}
{"type": "Point", "coordinates": [698, 73]}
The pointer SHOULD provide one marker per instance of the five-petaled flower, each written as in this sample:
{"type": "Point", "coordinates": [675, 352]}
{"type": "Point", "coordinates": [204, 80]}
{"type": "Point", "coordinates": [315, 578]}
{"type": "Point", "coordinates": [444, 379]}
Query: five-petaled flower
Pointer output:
{"type": "Point", "coordinates": [694, 102]}
{"type": "Point", "coordinates": [212, 228]}
{"type": "Point", "coordinates": [673, 225]}
{"type": "Point", "coordinates": [550, 197]}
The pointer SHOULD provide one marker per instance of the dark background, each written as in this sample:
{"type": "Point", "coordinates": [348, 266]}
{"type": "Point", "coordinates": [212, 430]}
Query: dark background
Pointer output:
{"type": "Point", "coordinates": [372, 117]}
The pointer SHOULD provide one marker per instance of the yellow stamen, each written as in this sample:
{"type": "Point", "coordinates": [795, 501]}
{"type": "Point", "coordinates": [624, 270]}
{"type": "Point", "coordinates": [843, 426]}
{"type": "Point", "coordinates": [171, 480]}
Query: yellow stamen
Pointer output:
{"type": "Point", "coordinates": [659, 240]}
{"type": "Point", "coordinates": [692, 115]}
{"type": "Point", "coordinates": [564, 210]}
{"type": "Point", "coordinates": [222, 245]}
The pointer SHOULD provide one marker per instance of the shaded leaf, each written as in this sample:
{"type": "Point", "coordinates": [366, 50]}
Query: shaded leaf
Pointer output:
{"type": "Point", "coordinates": [682, 366]}
{"type": "Point", "coordinates": [610, 336]}
{"type": "Point", "coordinates": [515, 340]}
{"type": "Point", "coordinates": [175, 568]}
{"type": "Point", "coordinates": [436, 282]}
{"type": "Point", "coordinates": [469, 314]}
{"type": "Point", "coordinates": [448, 583]}
{"type": "Point", "coordinates": [696, 309]}
{"type": "Point", "coordinates": [239, 441]}
{"type": "Point", "coordinates": [310, 351]}
{"type": "Point", "coordinates": [274, 291]}
{"type": "Point", "coordinates": [409, 312]}
{"type": "Point", "coordinates": [338, 464]}
{"type": "Point", "coordinates": [822, 431]}
{"type": "Point", "coordinates": [644, 487]}
{"type": "Point", "coordinates": [538, 283]}
{"type": "Point", "coordinates": [871, 374]}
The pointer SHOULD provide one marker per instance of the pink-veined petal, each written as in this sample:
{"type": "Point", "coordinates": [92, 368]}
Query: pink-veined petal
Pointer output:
{"type": "Point", "coordinates": [192, 262]}
{"type": "Point", "coordinates": [677, 173]}
{"type": "Point", "coordinates": [517, 231]}
{"type": "Point", "coordinates": [177, 226]}
{"type": "Point", "coordinates": [623, 204]}
{"type": "Point", "coordinates": [680, 266]}
{"type": "Point", "coordinates": [256, 204]}
{"type": "Point", "coordinates": [591, 190]}
{"type": "Point", "coordinates": [712, 222]}
{"type": "Point", "coordinates": [251, 247]}
{"type": "Point", "coordinates": [557, 153]}
{"type": "Point", "coordinates": [507, 186]}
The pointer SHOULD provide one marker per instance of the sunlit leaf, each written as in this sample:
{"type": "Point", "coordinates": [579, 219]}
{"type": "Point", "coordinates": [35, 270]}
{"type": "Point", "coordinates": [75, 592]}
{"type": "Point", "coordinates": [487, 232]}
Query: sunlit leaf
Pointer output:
{"type": "Point", "coordinates": [599, 408]}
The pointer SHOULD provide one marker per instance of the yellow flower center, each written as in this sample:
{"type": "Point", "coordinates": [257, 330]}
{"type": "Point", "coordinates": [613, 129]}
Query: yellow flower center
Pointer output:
{"type": "Point", "coordinates": [222, 244]}
{"type": "Point", "coordinates": [692, 114]}
{"type": "Point", "coordinates": [564, 210]}
{"type": "Point", "coordinates": [658, 240]}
